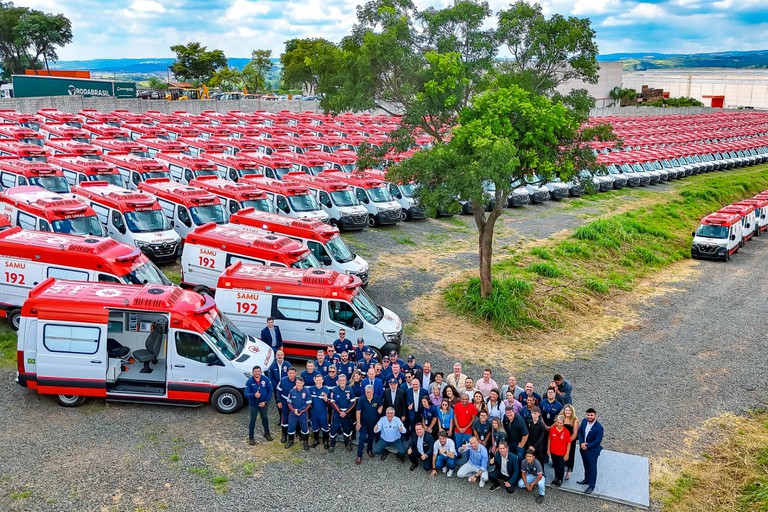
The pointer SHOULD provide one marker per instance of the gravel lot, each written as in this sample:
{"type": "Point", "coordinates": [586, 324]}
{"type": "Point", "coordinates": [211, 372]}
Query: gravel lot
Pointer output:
{"type": "Point", "coordinates": [698, 353]}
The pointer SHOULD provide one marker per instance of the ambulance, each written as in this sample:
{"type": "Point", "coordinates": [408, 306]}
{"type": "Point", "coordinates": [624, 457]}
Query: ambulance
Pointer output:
{"type": "Point", "coordinates": [309, 305]}
{"type": "Point", "coordinates": [209, 249]}
{"type": "Point", "coordinates": [20, 172]}
{"type": "Point", "coordinates": [93, 116]}
{"type": "Point", "coordinates": [63, 131]}
{"type": "Point", "coordinates": [33, 207]}
{"type": "Point", "coordinates": [10, 116]}
{"type": "Point", "coordinates": [290, 198]}
{"type": "Point", "coordinates": [374, 195]}
{"type": "Point", "coordinates": [310, 162]}
{"type": "Point", "coordinates": [184, 206]}
{"type": "Point", "coordinates": [160, 118]}
{"type": "Point", "coordinates": [199, 145]}
{"type": "Point", "coordinates": [136, 169]}
{"type": "Point", "coordinates": [321, 239]}
{"type": "Point", "coordinates": [77, 169]}
{"type": "Point", "coordinates": [54, 115]}
{"type": "Point", "coordinates": [336, 198]}
{"type": "Point", "coordinates": [148, 344]}
{"type": "Point", "coordinates": [74, 148]}
{"type": "Point", "coordinates": [137, 131]}
{"type": "Point", "coordinates": [176, 131]}
{"type": "Point", "coordinates": [761, 211]}
{"type": "Point", "coordinates": [23, 151]}
{"type": "Point", "coordinates": [233, 167]}
{"type": "Point", "coordinates": [748, 220]}
{"type": "Point", "coordinates": [155, 146]}
{"type": "Point", "coordinates": [403, 193]}
{"type": "Point", "coordinates": [30, 257]}
{"type": "Point", "coordinates": [233, 146]}
{"type": "Point", "coordinates": [235, 196]}
{"type": "Point", "coordinates": [184, 168]}
{"type": "Point", "coordinates": [272, 166]}
{"type": "Point", "coordinates": [106, 131]}
{"type": "Point", "coordinates": [108, 146]}
{"type": "Point", "coordinates": [133, 218]}
{"type": "Point", "coordinates": [344, 161]}
{"type": "Point", "coordinates": [718, 236]}
{"type": "Point", "coordinates": [21, 134]}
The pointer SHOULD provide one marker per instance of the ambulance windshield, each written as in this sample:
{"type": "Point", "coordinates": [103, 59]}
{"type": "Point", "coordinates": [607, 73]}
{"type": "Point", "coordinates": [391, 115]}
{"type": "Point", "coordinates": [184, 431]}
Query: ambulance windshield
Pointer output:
{"type": "Point", "coordinates": [309, 261]}
{"type": "Point", "coordinates": [148, 221]}
{"type": "Point", "coordinates": [371, 311]}
{"type": "Point", "coordinates": [88, 225]}
{"type": "Point", "coordinates": [379, 194]}
{"type": "Point", "coordinates": [303, 203]}
{"type": "Point", "coordinates": [147, 273]}
{"type": "Point", "coordinates": [206, 172]}
{"type": "Point", "coordinates": [58, 184]}
{"type": "Point", "coordinates": [33, 140]}
{"type": "Point", "coordinates": [344, 198]}
{"type": "Point", "coordinates": [154, 174]}
{"type": "Point", "coordinates": [262, 205]}
{"type": "Point", "coordinates": [211, 213]}
{"type": "Point", "coordinates": [225, 335]}
{"type": "Point", "coordinates": [339, 250]}
{"type": "Point", "coordinates": [112, 179]}
{"type": "Point", "coordinates": [710, 231]}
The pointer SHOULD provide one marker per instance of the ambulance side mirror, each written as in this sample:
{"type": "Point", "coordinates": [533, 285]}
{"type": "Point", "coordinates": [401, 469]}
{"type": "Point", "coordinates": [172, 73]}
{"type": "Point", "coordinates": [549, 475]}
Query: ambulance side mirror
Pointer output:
{"type": "Point", "coordinates": [121, 228]}
{"type": "Point", "coordinates": [357, 324]}
{"type": "Point", "coordinates": [211, 359]}
{"type": "Point", "coordinates": [733, 237]}
{"type": "Point", "coordinates": [693, 233]}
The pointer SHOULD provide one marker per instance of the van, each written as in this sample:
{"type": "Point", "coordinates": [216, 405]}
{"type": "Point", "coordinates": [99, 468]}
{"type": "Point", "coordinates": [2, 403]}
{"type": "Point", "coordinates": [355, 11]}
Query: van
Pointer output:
{"type": "Point", "coordinates": [235, 196]}
{"type": "Point", "coordinates": [209, 249]}
{"type": "Point", "coordinates": [155, 146]}
{"type": "Point", "coordinates": [136, 169]}
{"type": "Point", "coordinates": [20, 172]}
{"type": "Point", "coordinates": [405, 194]}
{"type": "Point", "coordinates": [761, 212]}
{"type": "Point", "coordinates": [185, 207]}
{"type": "Point", "coordinates": [148, 344]}
{"type": "Point", "coordinates": [30, 257]}
{"type": "Point", "coordinates": [373, 194]}
{"type": "Point", "coordinates": [133, 218]}
{"type": "Point", "coordinates": [321, 239]}
{"type": "Point", "coordinates": [718, 236]}
{"type": "Point", "coordinates": [185, 168]}
{"type": "Point", "coordinates": [70, 147]}
{"type": "Point", "coordinates": [748, 219]}
{"type": "Point", "coordinates": [290, 198]}
{"type": "Point", "coordinates": [63, 131]}
{"type": "Point", "coordinates": [233, 167]}
{"type": "Point", "coordinates": [336, 198]}
{"type": "Point", "coordinates": [310, 305]}
{"type": "Point", "coordinates": [118, 146]}
{"type": "Point", "coordinates": [23, 151]}
{"type": "Point", "coordinates": [77, 169]}
{"type": "Point", "coordinates": [32, 207]}
{"type": "Point", "coordinates": [21, 134]}
{"type": "Point", "coordinates": [199, 145]}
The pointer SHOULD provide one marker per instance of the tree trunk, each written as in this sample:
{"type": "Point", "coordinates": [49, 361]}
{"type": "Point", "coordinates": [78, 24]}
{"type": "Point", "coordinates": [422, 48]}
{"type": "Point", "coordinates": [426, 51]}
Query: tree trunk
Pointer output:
{"type": "Point", "coordinates": [485, 228]}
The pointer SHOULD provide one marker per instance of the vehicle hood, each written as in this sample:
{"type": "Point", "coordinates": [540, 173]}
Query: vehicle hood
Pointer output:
{"type": "Point", "coordinates": [710, 241]}
{"type": "Point", "coordinates": [390, 322]}
{"type": "Point", "coordinates": [314, 215]}
{"type": "Point", "coordinates": [158, 237]}
{"type": "Point", "coordinates": [353, 210]}
{"type": "Point", "coordinates": [255, 352]}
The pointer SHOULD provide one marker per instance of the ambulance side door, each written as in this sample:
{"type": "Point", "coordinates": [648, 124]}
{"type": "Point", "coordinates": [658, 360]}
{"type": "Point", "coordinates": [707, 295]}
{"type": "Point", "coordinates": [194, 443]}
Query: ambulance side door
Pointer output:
{"type": "Point", "coordinates": [194, 366]}
{"type": "Point", "coordinates": [16, 279]}
{"type": "Point", "coordinates": [341, 315]}
{"type": "Point", "coordinates": [300, 321]}
{"type": "Point", "coordinates": [247, 309]}
{"type": "Point", "coordinates": [71, 358]}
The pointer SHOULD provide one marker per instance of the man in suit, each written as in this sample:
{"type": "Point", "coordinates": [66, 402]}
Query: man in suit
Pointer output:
{"type": "Point", "coordinates": [276, 371]}
{"type": "Point", "coordinates": [505, 470]}
{"type": "Point", "coordinates": [425, 376]}
{"type": "Point", "coordinates": [271, 335]}
{"type": "Point", "coordinates": [413, 401]}
{"type": "Point", "coordinates": [395, 397]}
{"type": "Point", "coordinates": [420, 448]}
{"type": "Point", "coordinates": [590, 438]}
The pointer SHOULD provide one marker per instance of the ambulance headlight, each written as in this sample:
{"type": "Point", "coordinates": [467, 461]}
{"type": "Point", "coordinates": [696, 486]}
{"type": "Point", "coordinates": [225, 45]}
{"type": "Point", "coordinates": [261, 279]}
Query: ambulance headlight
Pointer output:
{"type": "Point", "coordinates": [390, 336]}
{"type": "Point", "coordinates": [142, 244]}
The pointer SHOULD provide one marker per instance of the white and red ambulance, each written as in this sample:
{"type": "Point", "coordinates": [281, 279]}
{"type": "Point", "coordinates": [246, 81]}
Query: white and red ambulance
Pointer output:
{"type": "Point", "coordinates": [235, 196]}
{"type": "Point", "coordinates": [106, 131]}
{"type": "Point", "coordinates": [210, 249]}
{"type": "Point", "coordinates": [186, 207]}
{"type": "Point", "coordinates": [718, 236]}
{"type": "Point", "coordinates": [30, 257]}
{"type": "Point", "coordinates": [761, 211]}
{"type": "Point", "coordinates": [155, 145]}
{"type": "Point", "coordinates": [336, 198]}
{"type": "Point", "coordinates": [119, 146]}
{"type": "Point", "coordinates": [748, 220]}
{"type": "Point", "coordinates": [54, 115]}
{"type": "Point", "coordinates": [147, 344]}
{"type": "Point", "coordinates": [290, 198]}
{"type": "Point", "coordinates": [184, 168]}
{"type": "Point", "coordinates": [321, 239]}
{"type": "Point", "coordinates": [73, 148]}
{"type": "Point", "coordinates": [77, 169]}
{"type": "Point", "coordinates": [233, 167]}
{"type": "Point", "coordinates": [373, 194]}
{"type": "Point", "coordinates": [51, 131]}
{"type": "Point", "coordinates": [21, 119]}
{"type": "Point", "coordinates": [136, 169]}
{"type": "Point", "coordinates": [14, 172]}
{"type": "Point", "coordinates": [21, 134]}
{"type": "Point", "coordinates": [309, 305]}
{"type": "Point", "coordinates": [32, 207]}
{"type": "Point", "coordinates": [23, 151]}
{"type": "Point", "coordinates": [133, 218]}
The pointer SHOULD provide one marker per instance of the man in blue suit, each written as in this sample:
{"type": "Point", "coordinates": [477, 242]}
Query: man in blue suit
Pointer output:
{"type": "Point", "coordinates": [413, 398]}
{"type": "Point", "coordinates": [271, 335]}
{"type": "Point", "coordinates": [590, 439]}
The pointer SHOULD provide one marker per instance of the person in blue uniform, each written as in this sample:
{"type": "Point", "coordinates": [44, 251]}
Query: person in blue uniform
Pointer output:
{"type": "Point", "coordinates": [393, 358]}
{"type": "Point", "coordinates": [345, 366]}
{"type": "Point", "coordinates": [368, 410]}
{"type": "Point", "coordinates": [276, 371]}
{"type": "Point", "coordinates": [308, 375]}
{"type": "Point", "coordinates": [386, 370]}
{"type": "Point", "coordinates": [285, 386]}
{"type": "Point", "coordinates": [366, 360]}
{"type": "Point", "coordinates": [319, 413]}
{"type": "Point", "coordinates": [343, 405]}
{"type": "Point", "coordinates": [331, 356]}
{"type": "Point", "coordinates": [298, 404]}
{"type": "Point", "coordinates": [412, 365]}
{"type": "Point", "coordinates": [342, 343]}
{"type": "Point", "coordinates": [359, 350]}
{"type": "Point", "coordinates": [258, 391]}
{"type": "Point", "coordinates": [332, 377]}
{"type": "Point", "coordinates": [320, 364]}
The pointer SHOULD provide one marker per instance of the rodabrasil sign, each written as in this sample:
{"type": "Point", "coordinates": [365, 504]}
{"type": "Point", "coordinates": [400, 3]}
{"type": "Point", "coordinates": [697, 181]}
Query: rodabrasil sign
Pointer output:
{"type": "Point", "coordinates": [26, 86]}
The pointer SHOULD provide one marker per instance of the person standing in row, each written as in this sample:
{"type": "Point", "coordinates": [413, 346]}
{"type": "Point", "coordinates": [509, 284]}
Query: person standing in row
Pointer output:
{"type": "Point", "coordinates": [456, 379]}
{"type": "Point", "coordinates": [515, 430]}
{"type": "Point", "coordinates": [258, 391]}
{"type": "Point", "coordinates": [368, 410]}
{"type": "Point", "coordinates": [395, 397]}
{"type": "Point", "coordinates": [299, 403]}
{"type": "Point", "coordinates": [463, 415]}
{"type": "Point", "coordinates": [276, 371]}
{"type": "Point", "coordinates": [486, 384]}
{"type": "Point", "coordinates": [271, 335]}
{"type": "Point", "coordinates": [563, 389]}
{"type": "Point", "coordinates": [590, 444]}
{"type": "Point", "coordinates": [342, 344]}
{"type": "Point", "coordinates": [559, 448]}
{"type": "Point", "coordinates": [572, 426]}
{"type": "Point", "coordinates": [308, 375]}
{"type": "Point", "coordinates": [413, 400]}
{"type": "Point", "coordinates": [287, 383]}
{"type": "Point", "coordinates": [343, 402]}
{"type": "Point", "coordinates": [319, 413]}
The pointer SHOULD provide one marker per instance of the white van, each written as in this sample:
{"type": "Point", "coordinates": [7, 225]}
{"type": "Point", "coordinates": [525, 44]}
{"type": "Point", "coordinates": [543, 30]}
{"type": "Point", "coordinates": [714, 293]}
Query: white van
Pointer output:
{"type": "Point", "coordinates": [373, 194]}
{"type": "Point", "coordinates": [718, 236]}
{"type": "Point", "coordinates": [147, 344]}
{"type": "Point", "coordinates": [310, 305]}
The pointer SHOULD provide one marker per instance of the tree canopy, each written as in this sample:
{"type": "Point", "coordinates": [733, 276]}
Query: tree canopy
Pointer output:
{"type": "Point", "coordinates": [304, 61]}
{"type": "Point", "coordinates": [195, 63]}
{"type": "Point", "coordinates": [254, 75]}
{"type": "Point", "coordinates": [29, 38]}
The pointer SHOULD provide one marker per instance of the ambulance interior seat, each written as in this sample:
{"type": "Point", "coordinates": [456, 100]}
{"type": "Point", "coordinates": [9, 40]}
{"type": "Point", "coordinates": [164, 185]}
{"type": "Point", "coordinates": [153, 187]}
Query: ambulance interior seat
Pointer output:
{"type": "Point", "coordinates": [153, 345]}
{"type": "Point", "coordinates": [115, 350]}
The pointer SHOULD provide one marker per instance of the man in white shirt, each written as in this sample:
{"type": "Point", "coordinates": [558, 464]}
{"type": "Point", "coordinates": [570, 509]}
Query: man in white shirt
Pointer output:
{"type": "Point", "coordinates": [443, 455]}
{"type": "Point", "coordinates": [391, 429]}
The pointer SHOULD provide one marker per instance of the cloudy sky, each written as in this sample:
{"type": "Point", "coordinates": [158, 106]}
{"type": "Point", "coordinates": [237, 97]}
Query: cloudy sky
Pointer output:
{"type": "Point", "coordinates": [147, 28]}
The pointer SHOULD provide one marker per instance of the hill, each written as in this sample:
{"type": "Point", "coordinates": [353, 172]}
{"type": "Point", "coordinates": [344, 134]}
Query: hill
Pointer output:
{"type": "Point", "coordinates": [757, 59]}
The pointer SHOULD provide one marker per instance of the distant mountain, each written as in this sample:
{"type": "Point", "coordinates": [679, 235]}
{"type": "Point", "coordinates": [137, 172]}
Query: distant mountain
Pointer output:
{"type": "Point", "coordinates": [757, 59]}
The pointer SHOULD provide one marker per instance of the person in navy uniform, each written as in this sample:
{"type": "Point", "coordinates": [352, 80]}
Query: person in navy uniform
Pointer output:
{"type": "Point", "coordinates": [590, 444]}
{"type": "Point", "coordinates": [343, 404]}
{"type": "Point", "coordinates": [308, 375]}
{"type": "Point", "coordinates": [359, 350]}
{"type": "Point", "coordinates": [258, 391]}
{"type": "Point", "coordinates": [271, 335]}
{"type": "Point", "coordinates": [332, 377]}
{"type": "Point", "coordinates": [397, 374]}
{"type": "Point", "coordinates": [276, 371]}
{"type": "Point", "coordinates": [368, 410]}
{"type": "Point", "coordinates": [366, 360]}
{"type": "Point", "coordinates": [412, 365]}
{"type": "Point", "coordinates": [342, 343]}
{"type": "Point", "coordinates": [395, 397]}
{"type": "Point", "coordinates": [331, 356]}
{"type": "Point", "coordinates": [320, 364]}
{"type": "Point", "coordinates": [319, 413]}
{"type": "Point", "coordinates": [386, 370]}
{"type": "Point", "coordinates": [283, 389]}
{"type": "Point", "coordinates": [298, 404]}
{"type": "Point", "coordinates": [394, 359]}
{"type": "Point", "coordinates": [345, 366]}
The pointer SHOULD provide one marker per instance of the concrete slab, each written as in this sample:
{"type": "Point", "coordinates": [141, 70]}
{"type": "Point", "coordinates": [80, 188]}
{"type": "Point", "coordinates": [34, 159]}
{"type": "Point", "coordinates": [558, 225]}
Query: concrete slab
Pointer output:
{"type": "Point", "coordinates": [621, 478]}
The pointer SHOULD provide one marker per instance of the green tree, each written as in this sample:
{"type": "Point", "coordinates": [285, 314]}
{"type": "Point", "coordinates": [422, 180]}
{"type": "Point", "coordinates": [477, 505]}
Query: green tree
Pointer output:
{"type": "Point", "coordinates": [304, 61]}
{"type": "Point", "coordinates": [27, 35]}
{"type": "Point", "coordinates": [623, 96]}
{"type": "Point", "coordinates": [255, 72]}
{"type": "Point", "coordinates": [227, 79]}
{"type": "Point", "coordinates": [155, 84]}
{"type": "Point", "coordinates": [195, 63]}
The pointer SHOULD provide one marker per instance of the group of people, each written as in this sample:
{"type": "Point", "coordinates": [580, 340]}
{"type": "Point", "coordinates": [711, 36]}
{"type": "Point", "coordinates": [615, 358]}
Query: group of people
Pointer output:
{"type": "Point", "coordinates": [448, 424]}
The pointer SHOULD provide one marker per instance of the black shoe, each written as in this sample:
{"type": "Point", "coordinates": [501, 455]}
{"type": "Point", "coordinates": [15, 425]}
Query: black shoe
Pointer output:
{"type": "Point", "coordinates": [284, 436]}
{"type": "Point", "coordinates": [557, 483]}
{"type": "Point", "coordinates": [401, 458]}
{"type": "Point", "coordinates": [315, 440]}
{"type": "Point", "coordinates": [414, 465]}
{"type": "Point", "coordinates": [589, 490]}
{"type": "Point", "coordinates": [370, 454]}
{"type": "Point", "coordinates": [539, 499]}
{"type": "Point", "coordinates": [331, 449]}
{"type": "Point", "coordinates": [251, 442]}
{"type": "Point", "coordinates": [268, 437]}
{"type": "Point", "coordinates": [289, 444]}
{"type": "Point", "coordinates": [384, 455]}
{"type": "Point", "coordinates": [494, 486]}
{"type": "Point", "coordinates": [348, 444]}
{"type": "Point", "coordinates": [582, 482]}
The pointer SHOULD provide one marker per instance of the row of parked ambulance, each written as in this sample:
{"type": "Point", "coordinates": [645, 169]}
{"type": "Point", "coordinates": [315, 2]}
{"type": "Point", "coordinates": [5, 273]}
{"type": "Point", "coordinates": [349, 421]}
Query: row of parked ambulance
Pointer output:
{"type": "Point", "coordinates": [724, 232]}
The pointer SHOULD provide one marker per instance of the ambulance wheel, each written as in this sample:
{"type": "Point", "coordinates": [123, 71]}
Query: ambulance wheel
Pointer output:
{"type": "Point", "coordinates": [203, 290]}
{"type": "Point", "coordinates": [227, 400]}
{"type": "Point", "coordinates": [70, 400]}
{"type": "Point", "coordinates": [376, 353]}
{"type": "Point", "coordinates": [371, 221]}
{"type": "Point", "coordinates": [727, 256]}
{"type": "Point", "coordinates": [14, 319]}
{"type": "Point", "coordinates": [334, 223]}
{"type": "Point", "coordinates": [403, 215]}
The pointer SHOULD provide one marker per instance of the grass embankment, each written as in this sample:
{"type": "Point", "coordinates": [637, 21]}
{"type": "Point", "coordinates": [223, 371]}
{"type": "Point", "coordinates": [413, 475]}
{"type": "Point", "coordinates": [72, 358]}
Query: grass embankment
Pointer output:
{"type": "Point", "coordinates": [561, 280]}
{"type": "Point", "coordinates": [729, 472]}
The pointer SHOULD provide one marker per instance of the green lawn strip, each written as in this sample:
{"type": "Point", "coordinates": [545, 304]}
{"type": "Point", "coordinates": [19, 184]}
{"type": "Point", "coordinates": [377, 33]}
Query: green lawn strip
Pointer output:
{"type": "Point", "coordinates": [535, 287]}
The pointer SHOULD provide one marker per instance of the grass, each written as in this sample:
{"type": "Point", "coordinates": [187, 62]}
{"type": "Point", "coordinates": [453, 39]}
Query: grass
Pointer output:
{"type": "Point", "coordinates": [7, 346]}
{"type": "Point", "coordinates": [405, 240]}
{"type": "Point", "coordinates": [728, 473]}
{"type": "Point", "coordinates": [561, 279]}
